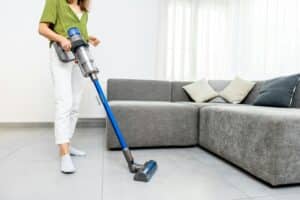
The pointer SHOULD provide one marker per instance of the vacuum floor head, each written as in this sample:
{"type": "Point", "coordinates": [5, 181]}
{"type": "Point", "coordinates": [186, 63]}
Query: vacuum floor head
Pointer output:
{"type": "Point", "coordinates": [146, 172]}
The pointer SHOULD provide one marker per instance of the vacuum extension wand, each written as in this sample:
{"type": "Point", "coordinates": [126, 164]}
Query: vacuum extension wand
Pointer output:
{"type": "Point", "coordinates": [81, 51]}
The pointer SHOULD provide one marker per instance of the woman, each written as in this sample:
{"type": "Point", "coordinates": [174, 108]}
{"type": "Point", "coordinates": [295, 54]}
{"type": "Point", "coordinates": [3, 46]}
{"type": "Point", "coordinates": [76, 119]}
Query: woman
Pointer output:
{"type": "Point", "coordinates": [58, 16]}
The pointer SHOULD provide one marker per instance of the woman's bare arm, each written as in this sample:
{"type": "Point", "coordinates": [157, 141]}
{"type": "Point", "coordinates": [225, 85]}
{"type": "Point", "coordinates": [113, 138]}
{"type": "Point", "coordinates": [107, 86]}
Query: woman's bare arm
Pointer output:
{"type": "Point", "coordinates": [46, 31]}
{"type": "Point", "coordinates": [94, 41]}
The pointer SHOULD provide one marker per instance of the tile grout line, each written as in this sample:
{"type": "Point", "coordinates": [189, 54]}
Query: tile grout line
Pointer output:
{"type": "Point", "coordinates": [22, 146]}
{"type": "Point", "coordinates": [8, 155]}
{"type": "Point", "coordinates": [102, 170]}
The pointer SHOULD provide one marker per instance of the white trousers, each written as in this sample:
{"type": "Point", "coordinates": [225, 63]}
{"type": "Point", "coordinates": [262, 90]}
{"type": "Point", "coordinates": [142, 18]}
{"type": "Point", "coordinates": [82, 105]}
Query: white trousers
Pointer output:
{"type": "Point", "coordinates": [68, 84]}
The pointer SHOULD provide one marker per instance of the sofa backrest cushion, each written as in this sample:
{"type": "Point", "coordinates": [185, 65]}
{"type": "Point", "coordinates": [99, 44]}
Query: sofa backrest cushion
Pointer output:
{"type": "Point", "coordinates": [219, 85]}
{"type": "Point", "coordinates": [148, 90]}
{"type": "Point", "coordinates": [254, 93]}
{"type": "Point", "coordinates": [178, 93]}
{"type": "Point", "coordinates": [138, 90]}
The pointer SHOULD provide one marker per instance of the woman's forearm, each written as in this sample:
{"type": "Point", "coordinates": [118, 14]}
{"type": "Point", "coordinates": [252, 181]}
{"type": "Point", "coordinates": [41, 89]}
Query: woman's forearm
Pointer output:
{"type": "Point", "coordinates": [45, 31]}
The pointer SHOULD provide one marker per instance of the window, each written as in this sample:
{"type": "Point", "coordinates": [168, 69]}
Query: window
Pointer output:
{"type": "Point", "coordinates": [220, 39]}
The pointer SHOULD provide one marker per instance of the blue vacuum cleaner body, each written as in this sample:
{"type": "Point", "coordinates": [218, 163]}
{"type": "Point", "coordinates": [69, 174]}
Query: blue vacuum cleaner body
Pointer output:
{"type": "Point", "coordinates": [143, 172]}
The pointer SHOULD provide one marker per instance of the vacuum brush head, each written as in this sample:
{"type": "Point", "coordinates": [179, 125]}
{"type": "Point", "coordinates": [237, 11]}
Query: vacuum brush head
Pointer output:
{"type": "Point", "coordinates": [146, 172]}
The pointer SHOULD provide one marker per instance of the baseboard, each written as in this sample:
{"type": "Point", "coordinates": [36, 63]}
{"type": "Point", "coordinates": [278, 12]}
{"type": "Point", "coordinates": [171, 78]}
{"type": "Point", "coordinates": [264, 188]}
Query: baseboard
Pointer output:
{"type": "Point", "coordinates": [82, 123]}
{"type": "Point", "coordinates": [92, 123]}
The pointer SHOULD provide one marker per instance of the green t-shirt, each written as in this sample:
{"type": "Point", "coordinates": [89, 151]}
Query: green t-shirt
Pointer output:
{"type": "Point", "coordinates": [61, 16]}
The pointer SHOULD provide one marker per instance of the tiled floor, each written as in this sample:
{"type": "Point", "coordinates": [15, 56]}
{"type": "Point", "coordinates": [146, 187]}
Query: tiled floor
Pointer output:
{"type": "Point", "coordinates": [29, 170]}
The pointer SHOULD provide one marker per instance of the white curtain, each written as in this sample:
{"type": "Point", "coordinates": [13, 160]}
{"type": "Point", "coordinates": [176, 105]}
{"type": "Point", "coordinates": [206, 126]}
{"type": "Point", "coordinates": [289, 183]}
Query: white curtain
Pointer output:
{"type": "Point", "coordinates": [221, 39]}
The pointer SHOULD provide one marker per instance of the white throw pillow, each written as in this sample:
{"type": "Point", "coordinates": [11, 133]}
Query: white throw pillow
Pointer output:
{"type": "Point", "coordinates": [237, 90]}
{"type": "Point", "coordinates": [200, 91]}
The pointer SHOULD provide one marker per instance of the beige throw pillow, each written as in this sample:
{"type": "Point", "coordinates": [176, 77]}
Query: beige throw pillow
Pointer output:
{"type": "Point", "coordinates": [237, 90]}
{"type": "Point", "coordinates": [200, 91]}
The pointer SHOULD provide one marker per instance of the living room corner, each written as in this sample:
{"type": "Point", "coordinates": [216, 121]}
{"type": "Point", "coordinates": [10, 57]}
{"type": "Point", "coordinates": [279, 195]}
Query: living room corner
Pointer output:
{"type": "Point", "coordinates": [140, 99]}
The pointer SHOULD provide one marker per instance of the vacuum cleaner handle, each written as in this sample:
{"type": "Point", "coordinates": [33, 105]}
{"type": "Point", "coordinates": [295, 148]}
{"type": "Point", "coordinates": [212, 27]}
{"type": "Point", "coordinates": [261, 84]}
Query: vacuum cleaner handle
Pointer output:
{"type": "Point", "coordinates": [62, 54]}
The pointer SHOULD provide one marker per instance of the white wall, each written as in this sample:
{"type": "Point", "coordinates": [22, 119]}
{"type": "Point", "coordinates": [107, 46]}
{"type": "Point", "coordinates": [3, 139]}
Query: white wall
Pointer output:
{"type": "Point", "coordinates": [128, 29]}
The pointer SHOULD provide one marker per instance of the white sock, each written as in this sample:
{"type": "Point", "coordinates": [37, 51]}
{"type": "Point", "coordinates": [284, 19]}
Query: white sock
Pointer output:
{"type": "Point", "coordinates": [76, 152]}
{"type": "Point", "coordinates": [67, 166]}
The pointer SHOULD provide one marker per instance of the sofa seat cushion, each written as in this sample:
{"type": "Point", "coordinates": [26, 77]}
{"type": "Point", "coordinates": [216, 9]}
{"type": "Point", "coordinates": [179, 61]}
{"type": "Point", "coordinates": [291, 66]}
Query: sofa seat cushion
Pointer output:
{"type": "Point", "coordinates": [262, 140]}
{"type": "Point", "coordinates": [154, 124]}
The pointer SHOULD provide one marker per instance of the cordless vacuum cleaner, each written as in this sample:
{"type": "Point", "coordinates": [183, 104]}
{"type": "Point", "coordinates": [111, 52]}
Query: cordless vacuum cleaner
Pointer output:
{"type": "Point", "coordinates": [81, 51]}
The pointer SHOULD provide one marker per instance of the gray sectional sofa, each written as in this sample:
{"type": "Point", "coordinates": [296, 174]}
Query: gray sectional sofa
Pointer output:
{"type": "Point", "coordinates": [264, 141]}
